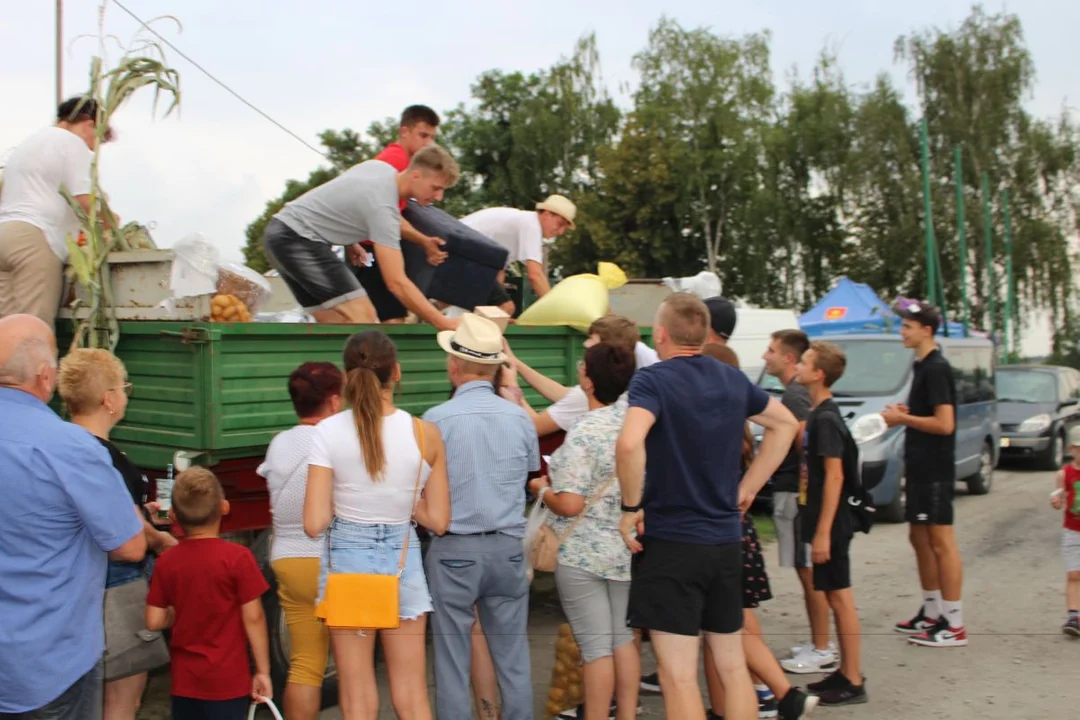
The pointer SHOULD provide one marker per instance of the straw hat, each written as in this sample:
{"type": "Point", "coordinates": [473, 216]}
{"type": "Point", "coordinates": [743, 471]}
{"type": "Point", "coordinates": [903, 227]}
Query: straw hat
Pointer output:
{"type": "Point", "coordinates": [477, 340]}
{"type": "Point", "coordinates": [561, 206]}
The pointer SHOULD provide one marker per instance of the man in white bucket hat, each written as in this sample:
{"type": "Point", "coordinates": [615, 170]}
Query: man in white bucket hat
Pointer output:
{"type": "Point", "coordinates": [491, 447]}
{"type": "Point", "coordinates": [524, 233]}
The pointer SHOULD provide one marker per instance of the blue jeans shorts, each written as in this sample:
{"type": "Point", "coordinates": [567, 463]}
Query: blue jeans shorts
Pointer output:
{"type": "Point", "coordinates": [376, 549]}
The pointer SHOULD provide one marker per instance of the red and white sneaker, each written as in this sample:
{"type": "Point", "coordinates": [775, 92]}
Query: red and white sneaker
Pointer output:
{"type": "Point", "coordinates": [941, 636]}
{"type": "Point", "coordinates": [917, 625]}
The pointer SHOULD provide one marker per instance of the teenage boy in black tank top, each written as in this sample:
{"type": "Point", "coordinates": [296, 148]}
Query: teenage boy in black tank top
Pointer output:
{"type": "Point", "coordinates": [930, 470]}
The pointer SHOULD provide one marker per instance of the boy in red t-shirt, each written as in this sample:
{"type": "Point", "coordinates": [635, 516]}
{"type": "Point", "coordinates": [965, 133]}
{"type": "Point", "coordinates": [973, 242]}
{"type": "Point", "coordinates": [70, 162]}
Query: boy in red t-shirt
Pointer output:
{"type": "Point", "coordinates": [208, 591]}
{"type": "Point", "coordinates": [1067, 497]}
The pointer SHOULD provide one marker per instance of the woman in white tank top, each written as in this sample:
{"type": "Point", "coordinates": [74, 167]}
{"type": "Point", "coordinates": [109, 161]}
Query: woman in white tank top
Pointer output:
{"type": "Point", "coordinates": [366, 484]}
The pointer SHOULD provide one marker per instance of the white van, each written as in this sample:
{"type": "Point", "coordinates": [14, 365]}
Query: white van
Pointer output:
{"type": "Point", "coordinates": [753, 331]}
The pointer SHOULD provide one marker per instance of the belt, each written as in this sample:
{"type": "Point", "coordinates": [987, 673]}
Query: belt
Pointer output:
{"type": "Point", "coordinates": [475, 534]}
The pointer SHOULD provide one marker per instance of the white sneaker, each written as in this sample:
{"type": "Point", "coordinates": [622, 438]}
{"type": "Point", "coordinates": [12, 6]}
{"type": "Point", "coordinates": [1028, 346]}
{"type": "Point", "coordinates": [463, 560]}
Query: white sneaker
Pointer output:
{"type": "Point", "coordinates": [808, 646]}
{"type": "Point", "coordinates": [811, 662]}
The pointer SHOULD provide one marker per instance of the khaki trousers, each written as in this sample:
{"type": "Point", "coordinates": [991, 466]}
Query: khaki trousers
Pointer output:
{"type": "Point", "coordinates": [31, 276]}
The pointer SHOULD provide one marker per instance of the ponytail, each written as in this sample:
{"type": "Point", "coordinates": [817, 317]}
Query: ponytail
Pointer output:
{"type": "Point", "coordinates": [370, 360]}
{"type": "Point", "coordinates": [363, 393]}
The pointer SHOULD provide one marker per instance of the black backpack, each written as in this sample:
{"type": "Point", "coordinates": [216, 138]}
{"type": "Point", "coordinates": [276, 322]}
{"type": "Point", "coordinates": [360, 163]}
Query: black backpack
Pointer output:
{"type": "Point", "coordinates": [859, 503]}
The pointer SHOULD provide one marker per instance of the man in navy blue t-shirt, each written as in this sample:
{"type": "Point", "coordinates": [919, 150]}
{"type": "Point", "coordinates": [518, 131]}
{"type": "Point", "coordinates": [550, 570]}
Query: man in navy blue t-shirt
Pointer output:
{"type": "Point", "coordinates": [684, 427]}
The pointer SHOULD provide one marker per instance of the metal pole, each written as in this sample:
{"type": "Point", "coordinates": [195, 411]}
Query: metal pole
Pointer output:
{"type": "Point", "coordinates": [59, 51]}
{"type": "Point", "coordinates": [1010, 294]}
{"type": "Point", "coordinates": [989, 232]}
{"type": "Point", "coordinates": [963, 236]}
{"type": "Point", "coordinates": [931, 254]}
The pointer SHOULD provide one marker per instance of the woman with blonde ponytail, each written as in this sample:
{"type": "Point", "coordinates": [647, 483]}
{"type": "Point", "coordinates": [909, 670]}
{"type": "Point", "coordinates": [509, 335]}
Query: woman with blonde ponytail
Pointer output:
{"type": "Point", "coordinates": [365, 478]}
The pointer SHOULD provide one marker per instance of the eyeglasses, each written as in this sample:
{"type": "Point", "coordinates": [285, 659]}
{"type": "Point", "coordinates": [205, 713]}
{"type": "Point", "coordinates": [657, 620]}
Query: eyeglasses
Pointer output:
{"type": "Point", "coordinates": [126, 387]}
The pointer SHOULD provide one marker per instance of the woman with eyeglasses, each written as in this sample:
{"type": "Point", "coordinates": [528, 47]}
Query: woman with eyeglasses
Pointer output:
{"type": "Point", "coordinates": [93, 384]}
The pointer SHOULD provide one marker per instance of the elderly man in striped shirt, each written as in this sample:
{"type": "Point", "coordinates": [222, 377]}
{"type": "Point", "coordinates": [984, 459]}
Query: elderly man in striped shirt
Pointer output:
{"type": "Point", "coordinates": [491, 446]}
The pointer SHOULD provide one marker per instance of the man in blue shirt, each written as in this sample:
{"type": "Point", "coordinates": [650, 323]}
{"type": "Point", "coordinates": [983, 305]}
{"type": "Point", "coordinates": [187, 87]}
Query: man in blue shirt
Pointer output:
{"type": "Point", "coordinates": [491, 447]}
{"type": "Point", "coordinates": [65, 510]}
{"type": "Point", "coordinates": [685, 428]}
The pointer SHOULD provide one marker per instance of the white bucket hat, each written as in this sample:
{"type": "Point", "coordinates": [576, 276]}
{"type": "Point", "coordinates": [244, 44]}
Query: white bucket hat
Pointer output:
{"type": "Point", "coordinates": [561, 206]}
{"type": "Point", "coordinates": [477, 339]}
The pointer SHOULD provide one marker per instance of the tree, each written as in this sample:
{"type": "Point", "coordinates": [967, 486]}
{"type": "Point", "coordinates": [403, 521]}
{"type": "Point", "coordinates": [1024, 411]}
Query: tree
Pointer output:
{"type": "Point", "coordinates": [711, 97]}
{"type": "Point", "coordinates": [972, 83]}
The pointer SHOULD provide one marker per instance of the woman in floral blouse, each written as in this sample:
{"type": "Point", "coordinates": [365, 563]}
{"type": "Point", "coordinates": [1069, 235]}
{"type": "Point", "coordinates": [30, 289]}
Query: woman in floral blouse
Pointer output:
{"type": "Point", "coordinates": [593, 574]}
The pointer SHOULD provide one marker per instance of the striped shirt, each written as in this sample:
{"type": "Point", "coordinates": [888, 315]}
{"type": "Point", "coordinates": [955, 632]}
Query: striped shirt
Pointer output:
{"type": "Point", "coordinates": [491, 446]}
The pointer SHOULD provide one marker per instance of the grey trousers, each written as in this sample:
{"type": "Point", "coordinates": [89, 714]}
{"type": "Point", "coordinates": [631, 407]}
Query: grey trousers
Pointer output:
{"type": "Point", "coordinates": [488, 572]}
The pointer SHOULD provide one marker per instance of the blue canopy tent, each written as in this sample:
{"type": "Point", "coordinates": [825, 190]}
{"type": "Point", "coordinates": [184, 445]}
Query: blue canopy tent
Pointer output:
{"type": "Point", "coordinates": [851, 308]}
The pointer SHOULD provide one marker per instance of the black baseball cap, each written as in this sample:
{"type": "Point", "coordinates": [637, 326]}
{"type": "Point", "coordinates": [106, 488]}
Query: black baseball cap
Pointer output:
{"type": "Point", "coordinates": [722, 316]}
{"type": "Point", "coordinates": [923, 313]}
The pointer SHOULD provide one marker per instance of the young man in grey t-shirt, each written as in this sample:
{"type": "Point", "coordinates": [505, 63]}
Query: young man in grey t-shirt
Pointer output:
{"type": "Point", "coordinates": [360, 204]}
{"type": "Point", "coordinates": [781, 357]}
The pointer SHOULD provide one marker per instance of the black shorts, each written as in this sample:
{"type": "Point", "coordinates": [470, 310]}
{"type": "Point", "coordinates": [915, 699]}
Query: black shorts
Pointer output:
{"type": "Point", "coordinates": [498, 295]}
{"type": "Point", "coordinates": [835, 574]}
{"type": "Point", "coordinates": [684, 589]}
{"type": "Point", "coordinates": [929, 503]}
{"type": "Point", "coordinates": [191, 709]}
{"type": "Point", "coordinates": [317, 278]}
{"type": "Point", "coordinates": [387, 306]}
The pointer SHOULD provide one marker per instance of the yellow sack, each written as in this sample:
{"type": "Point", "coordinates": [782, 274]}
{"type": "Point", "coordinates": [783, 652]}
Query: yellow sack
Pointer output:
{"type": "Point", "coordinates": [576, 301]}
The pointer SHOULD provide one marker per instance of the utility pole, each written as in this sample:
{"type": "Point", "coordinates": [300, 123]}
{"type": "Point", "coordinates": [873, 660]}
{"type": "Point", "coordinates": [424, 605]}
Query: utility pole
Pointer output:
{"type": "Point", "coordinates": [1011, 329]}
{"type": "Point", "coordinates": [963, 235]}
{"type": "Point", "coordinates": [931, 253]}
{"type": "Point", "coordinates": [989, 232]}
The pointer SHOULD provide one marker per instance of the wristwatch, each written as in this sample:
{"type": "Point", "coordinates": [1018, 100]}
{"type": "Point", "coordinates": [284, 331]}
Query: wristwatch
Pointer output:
{"type": "Point", "coordinates": [630, 508]}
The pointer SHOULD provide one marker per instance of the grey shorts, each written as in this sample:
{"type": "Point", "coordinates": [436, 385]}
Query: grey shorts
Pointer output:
{"type": "Point", "coordinates": [788, 537]}
{"type": "Point", "coordinates": [596, 611]}
{"type": "Point", "coordinates": [317, 277]}
{"type": "Point", "coordinates": [1070, 549]}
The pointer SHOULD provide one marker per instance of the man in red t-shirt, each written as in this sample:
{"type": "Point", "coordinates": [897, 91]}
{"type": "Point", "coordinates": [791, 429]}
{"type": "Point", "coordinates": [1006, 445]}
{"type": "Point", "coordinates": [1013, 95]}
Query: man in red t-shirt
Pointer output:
{"type": "Point", "coordinates": [209, 592]}
{"type": "Point", "coordinates": [419, 125]}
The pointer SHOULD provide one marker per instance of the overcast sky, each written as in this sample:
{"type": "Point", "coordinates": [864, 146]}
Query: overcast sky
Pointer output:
{"type": "Point", "coordinates": [337, 63]}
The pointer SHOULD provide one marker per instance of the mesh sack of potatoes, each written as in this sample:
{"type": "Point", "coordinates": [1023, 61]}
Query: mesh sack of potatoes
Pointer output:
{"type": "Point", "coordinates": [565, 690]}
{"type": "Point", "coordinates": [244, 284]}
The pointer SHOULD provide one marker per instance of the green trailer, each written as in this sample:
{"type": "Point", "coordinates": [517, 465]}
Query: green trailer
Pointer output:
{"type": "Point", "coordinates": [216, 392]}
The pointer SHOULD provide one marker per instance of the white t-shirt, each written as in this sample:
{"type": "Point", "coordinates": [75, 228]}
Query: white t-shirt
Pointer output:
{"type": "Point", "coordinates": [357, 497]}
{"type": "Point", "coordinates": [575, 403]}
{"type": "Point", "coordinates": [285, 469]}
{"type": "Point", "coordinates": [516, 230]}
{"type": "Point", "coordinates": [49, 159]}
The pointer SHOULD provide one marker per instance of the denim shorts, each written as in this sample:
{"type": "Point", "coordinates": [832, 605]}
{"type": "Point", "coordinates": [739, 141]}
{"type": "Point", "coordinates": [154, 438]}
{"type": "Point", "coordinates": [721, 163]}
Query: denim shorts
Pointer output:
{"type": "Point", "coordinates": [376, 549]}
{"type": "Point", "coordinates": [318, 279]}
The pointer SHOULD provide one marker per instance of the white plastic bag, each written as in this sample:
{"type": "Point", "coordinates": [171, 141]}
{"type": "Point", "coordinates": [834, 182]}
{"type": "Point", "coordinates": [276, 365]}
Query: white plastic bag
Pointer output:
{"type": "Point", "coordinates": [269, 704]}
{"type": "Point", "coordinates": [538, 517]}
{"type": "Point", "coordinates": [705, 284]}
{"type": "Point", "coordinates": [195, 267]}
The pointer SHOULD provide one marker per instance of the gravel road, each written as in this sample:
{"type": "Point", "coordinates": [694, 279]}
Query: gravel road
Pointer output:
{"type": "Point", "coordinates": [1018, 665]}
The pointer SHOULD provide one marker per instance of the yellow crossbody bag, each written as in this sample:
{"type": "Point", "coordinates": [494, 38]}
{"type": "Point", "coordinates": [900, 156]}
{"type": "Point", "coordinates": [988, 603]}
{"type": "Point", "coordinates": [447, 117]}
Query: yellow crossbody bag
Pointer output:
{"type": "Point", "coordinates": [366, 601]}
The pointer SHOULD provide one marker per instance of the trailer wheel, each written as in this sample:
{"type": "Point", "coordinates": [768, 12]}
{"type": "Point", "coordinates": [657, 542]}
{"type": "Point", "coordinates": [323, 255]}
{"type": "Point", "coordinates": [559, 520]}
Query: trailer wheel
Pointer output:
{"type": "Point", "coordinates": [279, 633]}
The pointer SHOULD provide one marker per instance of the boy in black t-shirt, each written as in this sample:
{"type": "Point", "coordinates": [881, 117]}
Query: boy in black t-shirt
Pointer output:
{"type": "Point", "coordinates": [832, 462]}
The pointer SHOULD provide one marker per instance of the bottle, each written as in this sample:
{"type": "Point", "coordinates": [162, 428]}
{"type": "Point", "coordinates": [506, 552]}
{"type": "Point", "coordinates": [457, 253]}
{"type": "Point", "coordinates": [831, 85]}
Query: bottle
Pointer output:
{"type": "Point", "coordinates": [164, 493]}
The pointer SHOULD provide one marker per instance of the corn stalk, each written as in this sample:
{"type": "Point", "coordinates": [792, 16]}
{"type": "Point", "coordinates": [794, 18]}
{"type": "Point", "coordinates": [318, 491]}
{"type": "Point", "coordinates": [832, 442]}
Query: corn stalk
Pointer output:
{"type": "Point", "coordinates": [141, 66]}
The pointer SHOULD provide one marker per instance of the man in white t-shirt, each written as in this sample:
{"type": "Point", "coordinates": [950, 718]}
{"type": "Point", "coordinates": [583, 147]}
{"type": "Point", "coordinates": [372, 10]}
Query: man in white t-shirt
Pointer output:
{"type": "Point", "coordinates": [570, 404]}
{"type": "Point", "coordinates": [35, 219]}
{"type": "Point", "coordinates": [524, 233]}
